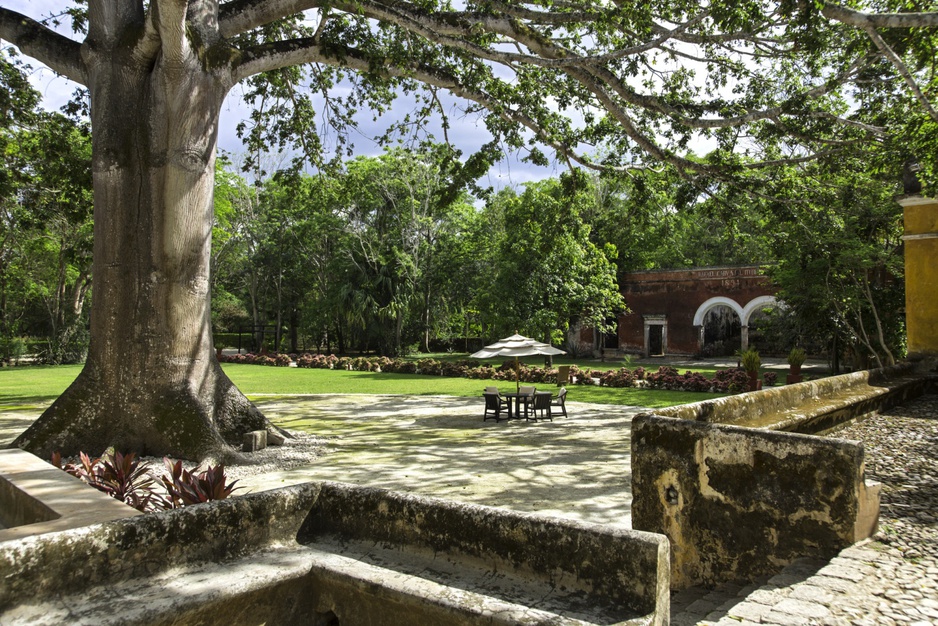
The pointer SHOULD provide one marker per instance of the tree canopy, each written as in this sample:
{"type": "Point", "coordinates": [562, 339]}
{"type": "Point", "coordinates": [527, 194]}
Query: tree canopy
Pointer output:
{"type": "Point", "coordinates": [607, 85]}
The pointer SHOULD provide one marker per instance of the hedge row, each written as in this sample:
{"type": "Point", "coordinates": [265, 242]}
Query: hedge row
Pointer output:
{"type": "Point", "coordinates": [277, 360]}
{"type": "Point", "coordinates": [731, 381]}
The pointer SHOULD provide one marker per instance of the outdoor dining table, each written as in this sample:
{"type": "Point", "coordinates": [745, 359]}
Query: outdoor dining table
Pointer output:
{"type": "Point", "coordinates": [517, 396]}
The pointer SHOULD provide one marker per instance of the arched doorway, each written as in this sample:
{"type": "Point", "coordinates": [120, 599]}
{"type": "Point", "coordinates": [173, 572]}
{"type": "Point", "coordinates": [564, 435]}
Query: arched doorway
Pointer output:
{"type": "Point", "coordinates": [720, 325]}
{"type": "Point", "coordinates": [756, 315]}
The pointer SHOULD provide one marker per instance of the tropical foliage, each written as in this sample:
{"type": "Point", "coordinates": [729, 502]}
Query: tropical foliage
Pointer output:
{"type": "Point", "coordinates": [45, 224]}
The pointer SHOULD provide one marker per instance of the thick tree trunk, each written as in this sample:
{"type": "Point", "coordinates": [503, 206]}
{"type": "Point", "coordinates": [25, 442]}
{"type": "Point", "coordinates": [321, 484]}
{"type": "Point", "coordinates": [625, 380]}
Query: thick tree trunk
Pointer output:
{"type": "Point", "coordinates": [151, 383]}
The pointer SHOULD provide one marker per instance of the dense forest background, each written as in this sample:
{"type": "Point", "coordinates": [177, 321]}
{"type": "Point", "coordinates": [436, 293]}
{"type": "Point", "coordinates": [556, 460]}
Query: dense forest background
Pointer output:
{"type": "Point", "coordinates": [405, 252]}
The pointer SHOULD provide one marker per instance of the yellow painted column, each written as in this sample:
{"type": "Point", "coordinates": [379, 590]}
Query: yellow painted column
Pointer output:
{"type": "Point", "coordinates": [921, 275]}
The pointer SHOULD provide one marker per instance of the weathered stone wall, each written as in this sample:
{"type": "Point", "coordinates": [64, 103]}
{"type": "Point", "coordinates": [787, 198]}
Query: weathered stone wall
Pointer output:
{"type": "Point", "coordinates": [814, 406]}
{"type": "Point", "coordinates": [305, 553]}
{"type": "Point", "coordinates": [737, 503]}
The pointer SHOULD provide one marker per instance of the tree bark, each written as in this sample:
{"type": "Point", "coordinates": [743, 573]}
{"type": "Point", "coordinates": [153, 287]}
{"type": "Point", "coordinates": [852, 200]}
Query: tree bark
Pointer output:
{"type": "Point", "coordinates": [152, 383]}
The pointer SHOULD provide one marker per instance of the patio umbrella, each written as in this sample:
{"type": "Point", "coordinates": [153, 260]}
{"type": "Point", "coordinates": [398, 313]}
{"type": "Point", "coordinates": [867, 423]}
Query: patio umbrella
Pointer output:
{"type": "Point", "coordinates": [516, 346]}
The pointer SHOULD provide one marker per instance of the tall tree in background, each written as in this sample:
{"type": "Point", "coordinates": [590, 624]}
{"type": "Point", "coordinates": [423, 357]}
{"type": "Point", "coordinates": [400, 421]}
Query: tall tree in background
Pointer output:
{"type": "Point", "coordinates": [547, 272]}
{"type": "Point", "coordinates": [565, 75]}
{"type": "Point", "coordinates": [45, 245]}
{"type": "Point", "coordinates": [397, 209]}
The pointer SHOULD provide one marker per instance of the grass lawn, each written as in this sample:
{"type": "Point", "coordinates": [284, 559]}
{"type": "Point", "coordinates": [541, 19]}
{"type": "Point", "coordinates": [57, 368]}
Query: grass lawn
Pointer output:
{"type": "Point", "coordinates": [31, 388]}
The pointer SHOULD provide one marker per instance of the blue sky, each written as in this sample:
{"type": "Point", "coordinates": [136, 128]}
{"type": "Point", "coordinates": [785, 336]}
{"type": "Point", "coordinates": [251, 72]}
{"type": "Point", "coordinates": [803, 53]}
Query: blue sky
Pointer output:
{"type": "Point", "coordinates": [466, 133]}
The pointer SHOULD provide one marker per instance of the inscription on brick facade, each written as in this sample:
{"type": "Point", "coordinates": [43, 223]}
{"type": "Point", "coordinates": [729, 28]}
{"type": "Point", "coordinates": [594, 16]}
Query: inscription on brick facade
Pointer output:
{"type": "Point", "coordinates": [728, 273]}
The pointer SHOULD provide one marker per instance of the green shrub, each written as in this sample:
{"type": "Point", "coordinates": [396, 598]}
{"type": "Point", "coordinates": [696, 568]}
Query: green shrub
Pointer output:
{"type": "Point", "coordinates": [796, 357]}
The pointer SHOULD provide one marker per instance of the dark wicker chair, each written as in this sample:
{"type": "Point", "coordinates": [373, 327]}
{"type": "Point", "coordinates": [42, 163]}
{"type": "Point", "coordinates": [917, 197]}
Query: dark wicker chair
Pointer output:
{"type": "Point", "coordinates": [527, 399]}
{"type": "Point", "coordinates": [560, 402]}
{"type": "Point", "coordinates": [541, 406]}
{"type": "Point", "coordinates": [494, 405]}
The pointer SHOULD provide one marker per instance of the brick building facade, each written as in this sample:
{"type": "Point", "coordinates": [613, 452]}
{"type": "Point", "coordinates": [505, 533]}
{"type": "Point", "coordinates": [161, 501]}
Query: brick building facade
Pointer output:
{"type": "Point", "coordinates": [669, 309]}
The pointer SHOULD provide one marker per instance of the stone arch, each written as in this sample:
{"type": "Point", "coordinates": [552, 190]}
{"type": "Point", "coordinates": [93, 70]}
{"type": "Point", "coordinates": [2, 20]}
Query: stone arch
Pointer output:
{"type": "Point", "coordinates": [702, 324]}
{"type": "Point", "coordinates": [704, 308]}
{"type": "Point", "coordinates": [754, 305]}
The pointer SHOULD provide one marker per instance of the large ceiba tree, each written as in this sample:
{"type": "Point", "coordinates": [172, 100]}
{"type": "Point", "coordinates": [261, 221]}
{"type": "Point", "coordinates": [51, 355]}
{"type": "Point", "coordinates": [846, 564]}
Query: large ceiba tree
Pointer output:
{"type": "Point", "coordinates": [606, 84]}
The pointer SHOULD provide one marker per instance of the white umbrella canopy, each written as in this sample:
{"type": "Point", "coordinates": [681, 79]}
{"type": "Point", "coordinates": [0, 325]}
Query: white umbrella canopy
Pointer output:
{"type": "Point", "coordinates": [516, 346]}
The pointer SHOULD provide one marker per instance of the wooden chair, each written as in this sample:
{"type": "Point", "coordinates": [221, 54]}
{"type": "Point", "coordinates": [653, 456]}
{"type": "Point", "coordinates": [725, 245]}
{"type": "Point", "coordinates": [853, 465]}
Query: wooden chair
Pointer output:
{"type": "Point", "coordinates": [494, 405]}
{"type": "Point", "coordinates": [526, 395]}
{"type": "Point", "coordinates": [558, 401]}
{"type": "Point", "coordinates": [563, 375]}
{"type": "Point", "coordinates": [541, 407]}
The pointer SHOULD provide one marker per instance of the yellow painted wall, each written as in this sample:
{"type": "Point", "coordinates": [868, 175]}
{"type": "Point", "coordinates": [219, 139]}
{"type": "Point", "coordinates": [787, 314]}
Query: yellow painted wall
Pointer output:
{"type": "Point", "coordinates": [921, 275]}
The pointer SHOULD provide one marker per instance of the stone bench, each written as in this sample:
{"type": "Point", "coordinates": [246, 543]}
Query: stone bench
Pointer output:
{"type": "Point", "coordinates": [338, 554]}
{"type": "Point", "coordinates": [812, 406]}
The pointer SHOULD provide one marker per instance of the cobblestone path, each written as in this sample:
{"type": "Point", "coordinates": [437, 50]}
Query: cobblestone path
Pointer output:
{"type": "Point", "coordinates": [892, 579]}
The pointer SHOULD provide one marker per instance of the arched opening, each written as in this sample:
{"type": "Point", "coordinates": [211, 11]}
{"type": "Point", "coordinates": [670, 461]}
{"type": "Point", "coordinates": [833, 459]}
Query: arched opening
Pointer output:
{"type": "Point", "coordinates": [722, 331]}
{"type": "Point", "coordinates": [720, 324]}
{"type": "Point", "coordinates": [760, 324]}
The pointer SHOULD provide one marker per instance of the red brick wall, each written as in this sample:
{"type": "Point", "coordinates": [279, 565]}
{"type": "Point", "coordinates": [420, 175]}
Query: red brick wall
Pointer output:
{"type": "Point", "coordinates": [678, 294]}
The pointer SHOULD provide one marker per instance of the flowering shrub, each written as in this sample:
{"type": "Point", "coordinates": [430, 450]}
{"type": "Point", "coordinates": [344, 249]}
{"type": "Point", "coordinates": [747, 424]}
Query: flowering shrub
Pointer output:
{"type": "Point", "coordinates": [455, 370]}
{"type": "Point", "coordinates": [770, 378]}
{"type": "Point", "coordinates": [398, 366]}
{"type": "Point", "coordinates": [733, 380]}
{"type": "Point", "coordinates": [665, 378]}
{"type": "Point", "coordinates": [429, 367]}
{"type": "Point", "coordinates": [481, 373]}
{"type": "Point", "coordinates": [317, 361]}
{"type": "Point", "coordinates": [272, 358]}
{"type": "Point", "coordinates": [724, 381]}
{"type": "Point", "coordinates": [621, 377]}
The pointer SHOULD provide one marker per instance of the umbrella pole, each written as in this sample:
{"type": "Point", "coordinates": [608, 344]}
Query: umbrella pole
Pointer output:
{"type": "Point", "coordinates": [517, 375]}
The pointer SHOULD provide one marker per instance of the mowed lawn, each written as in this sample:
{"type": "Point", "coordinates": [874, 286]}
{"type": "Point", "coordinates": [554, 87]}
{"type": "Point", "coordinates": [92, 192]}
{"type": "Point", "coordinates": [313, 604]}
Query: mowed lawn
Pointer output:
{"type": "Point", "coordinates": [31, 388]}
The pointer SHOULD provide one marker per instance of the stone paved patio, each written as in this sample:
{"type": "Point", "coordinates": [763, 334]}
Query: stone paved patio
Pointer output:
{"type": "Point", "coordinates": [576, 467]}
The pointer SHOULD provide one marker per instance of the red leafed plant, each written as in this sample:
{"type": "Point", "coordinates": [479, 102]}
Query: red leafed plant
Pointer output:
{"type": "Point", "coordinates": [185, 487]}
{"type": "Point", "coordinates": [126, 478]}
{"type": "Point", "coordinates": [121, 476]}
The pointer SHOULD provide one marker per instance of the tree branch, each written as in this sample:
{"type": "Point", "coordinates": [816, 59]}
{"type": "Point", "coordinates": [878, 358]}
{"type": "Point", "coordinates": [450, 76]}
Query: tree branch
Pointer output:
{"type": "Point", "coordinates": [241, 16]}
{"type": "Point", "coordinates": [903, 71]}
{"type": "Point", "coordinates": [60, 53]}
{"type": "Point", "coordinates": [171, 25]}
{"type": "Point", "coordinates": [859, 19]}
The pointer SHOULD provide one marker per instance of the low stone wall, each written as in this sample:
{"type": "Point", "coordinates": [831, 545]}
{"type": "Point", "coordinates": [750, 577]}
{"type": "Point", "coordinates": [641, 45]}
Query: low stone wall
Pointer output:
{"type": "Point", "coordinates": [737, 503]}
{"type": "Point", "coordinates": [814, 406]}
{"type": "Point", "coordinates": [36, 498]}
{"type": "Point", "coordinates": [327, 551]}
